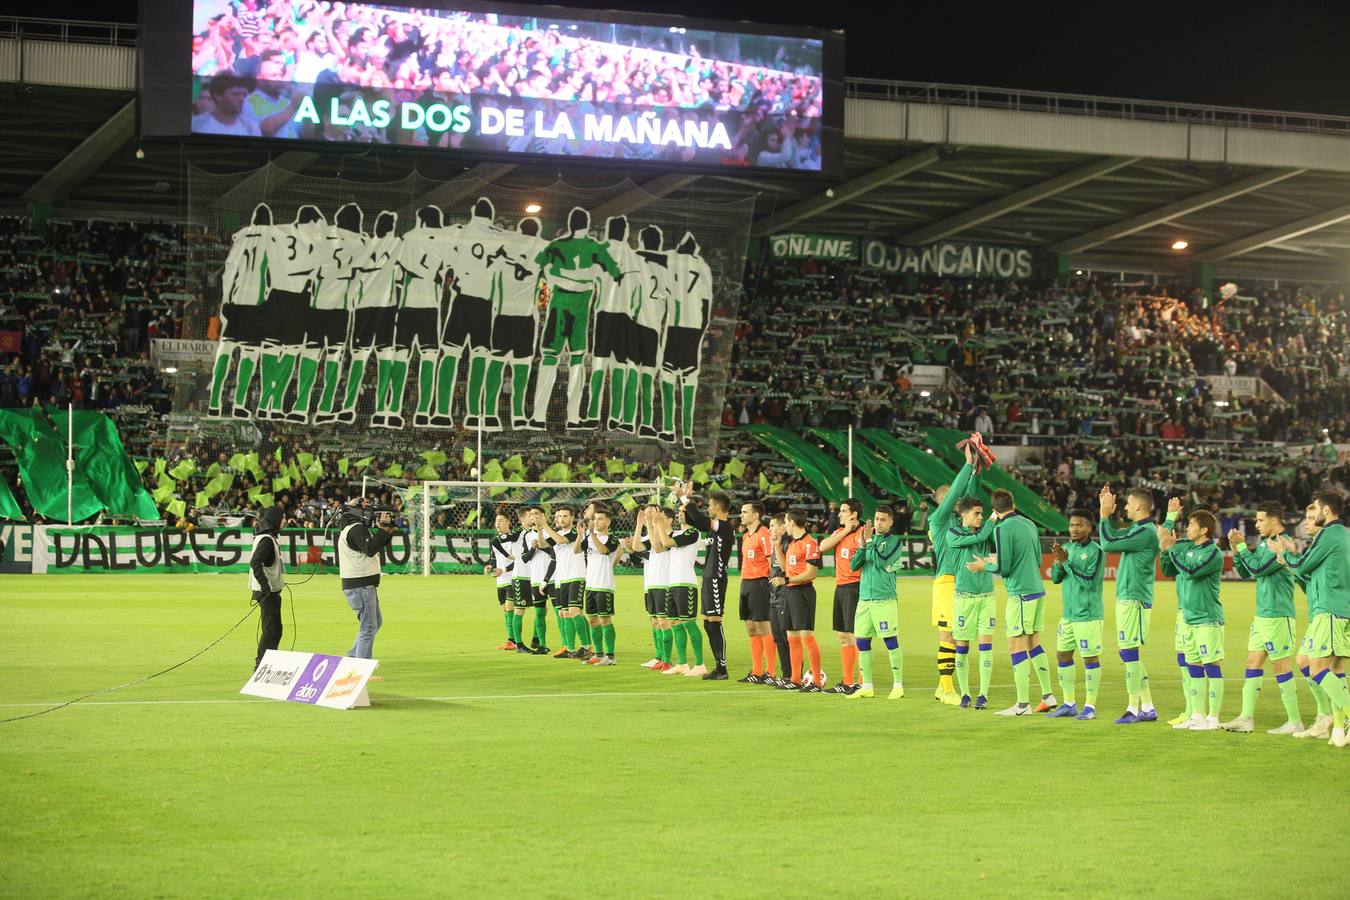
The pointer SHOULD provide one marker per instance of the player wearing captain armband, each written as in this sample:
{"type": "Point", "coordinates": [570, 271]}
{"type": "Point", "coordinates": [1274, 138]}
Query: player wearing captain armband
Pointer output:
{"type": "Point", "coordinates": [1271, 636]}
{"type": "Point", "coordinates": [880, 556]}
{"type": "Point", "coordinates": [1197, 564]}
{"type": "Point", "coordinates": [1079, 567]}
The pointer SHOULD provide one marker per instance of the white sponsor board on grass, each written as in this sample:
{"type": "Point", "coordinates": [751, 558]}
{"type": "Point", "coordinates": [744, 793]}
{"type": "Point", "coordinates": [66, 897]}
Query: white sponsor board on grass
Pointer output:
{"type": "Point", "coordinates": [319, 679]}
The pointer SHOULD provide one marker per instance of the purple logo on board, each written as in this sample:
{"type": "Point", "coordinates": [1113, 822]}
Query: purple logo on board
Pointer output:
{"type": "Point", "coordinates": [315, 678]}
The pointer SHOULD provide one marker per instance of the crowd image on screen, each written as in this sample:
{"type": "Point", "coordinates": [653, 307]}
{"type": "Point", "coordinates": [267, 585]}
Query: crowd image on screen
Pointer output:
{"type": "Point", "coordinates": [255, 62]}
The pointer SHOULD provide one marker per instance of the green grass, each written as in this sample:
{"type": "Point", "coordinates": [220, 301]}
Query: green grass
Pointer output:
{"type": "Point", "coordinates": [478, 772]}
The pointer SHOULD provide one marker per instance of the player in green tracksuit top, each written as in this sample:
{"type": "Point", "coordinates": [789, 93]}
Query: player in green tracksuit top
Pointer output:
{"type": "Point", "coordinates": [1138, 549]}
{"type": "Point", "coordinates": [1326, 563]}
{"type": "Point", "coordinates": [1079, 567]}
{"type": "Point", "coordinates": [1197, 564]}
{"type": "Point", "coordinates": [570, 269]}
{"type": "Point", "coordinates": [1321, 725]}
{"type": "Point", "coordinates": [877, 561]}
{"type": "Point", "coordinates": [973, 610]}
{"type": "Point", "coordinates": [1017, 560]}
{"type": "Point", "coordinates": [1272, 633]}
{"type": "Point", "coordinates": [945, 563]}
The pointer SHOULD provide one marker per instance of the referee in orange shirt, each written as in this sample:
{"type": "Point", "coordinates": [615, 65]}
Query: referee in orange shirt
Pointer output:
{"type": "Point", "coordinates": [845, 542]}
{"type": "Point", "coordinates": [756, 554]}
{"type": "Point", "coordinates": [800, 561]}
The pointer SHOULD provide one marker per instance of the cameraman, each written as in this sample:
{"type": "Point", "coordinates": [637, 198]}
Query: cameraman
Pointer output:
{"type": "Point", "coordinates": [266, 576]}
{"type": "Point", "coordinates": [359, 566]}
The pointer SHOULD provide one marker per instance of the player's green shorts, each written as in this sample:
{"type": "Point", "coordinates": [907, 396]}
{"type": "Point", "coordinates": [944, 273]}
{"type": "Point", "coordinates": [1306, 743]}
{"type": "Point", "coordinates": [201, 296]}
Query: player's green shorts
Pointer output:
{"type": "Point", "coordinates": [1024, 615]}
{"type": "Point", "coordinates": [877, 618]}
{"type": "Point", "coordinates": [1272, 636]}
{"type": "Point", "coordinates": [1132, 623]}
{"type": "Point", "coordinates": [569, 312]}
{"type": "Point", "coordinates": [1181, 635]}
{"type": "Point", "coordinates": [1327, 635]}
{"type": "Point", "coordinates": [1204, 643]}
{"type": "Point", "coordinates": [973, 615]}
{"type": "Point", "coordinates": [1084, 638]}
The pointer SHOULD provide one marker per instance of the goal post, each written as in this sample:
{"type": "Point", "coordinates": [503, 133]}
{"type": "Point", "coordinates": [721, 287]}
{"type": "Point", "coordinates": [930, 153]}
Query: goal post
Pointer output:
{"type": "Point", "coordinates": [454, 519]}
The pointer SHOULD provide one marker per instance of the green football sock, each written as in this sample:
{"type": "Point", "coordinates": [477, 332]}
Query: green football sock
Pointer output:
{"type": "Point", "coordinates": [1041, 663]}
{"type": "Point", "coordinates": [355, 375]}
{"type": "Point", "coordinates": [426, 384]}
{"type": "Point", "coordinates": [609, 639]}
{"type": "Point", "coordinates": [309, 372]}
{"type": "Point", "coordinates": [865, 666]}
{"type": "Point", "coordinates": [1196, 706]}
{"type": "Point", "coordinates": [568, 631]}
{"type": "Point", "coordinates": [963, 670]}
{"type": "Point", "coordinates": [680, 638]}
{"type": "Point", "coordinates": [332, 369]}
{"type": "Point", "coordinates": [1022, 678]}
{"type": "Point", "coordinates": [1251, 690]}
{"type": "Point", "coordinates": [616, 385]}
{"type": "Point", "coordinates": [897, 657]}
{"type": "Point", "coordinates": [510, 632]}
{"type": "Point", "coordinates": [1186, 688]}
{"type": "Point", "coordinates": [695, 640]}
{"type": "Point", "coordinates": [1215, 696]}
{"type": "Point", "coordinates": [243, 378]}
{"type": "Point", "coordinates": [1319, 696]}
{"type": "Point", "coordinates": [667, 405]}
{"type": "Point", "coordinates": [517, 626]}
{"type": "Point", "coordinates": [474, 400]}
{"type": "Point", "coordinates": [1066, 683]}
{"type": "Point", "coordinates": [1289, 697]}
{"type": "Point", "coordinates": [446, 371]}
{"type": "Point", "coordinates": [656, 643]}
{"type": "Point", "coordinates": [1145, 690]}
{"type": "Point", "coordinates": [667, 635]}
{"type": "Point", "coordinates": [596, 393]}
{"type": "Point", "coordinates": [630, 395]}
{"type": "Point", "coordinates": [1132, 680]}
{"type": "Point", "coordinates": [583, 630]}
{"type": "Point", "coordinates": [520, 380]}
{"type": "Point", "coordinates": [541, 625]}
{"type": "Point", "coordinates": [687, 392]}
{"type": "Point", "coordinates": [492, 393]}
{"type": "Point", "coordinates": [986, 670]}
{"type": "Point", "coordinates": [218, 375]}
{"type": "Point", "coordinates": [1092, 682]}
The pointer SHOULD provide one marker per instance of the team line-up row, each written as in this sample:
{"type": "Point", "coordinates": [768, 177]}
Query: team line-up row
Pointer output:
{"type": "Point", "coordinates": [571, 563]}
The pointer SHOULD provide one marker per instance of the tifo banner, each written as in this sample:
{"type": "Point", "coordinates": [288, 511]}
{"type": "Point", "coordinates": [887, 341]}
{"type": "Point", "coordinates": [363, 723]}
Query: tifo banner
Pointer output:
{"type": "Point", "coordinates": [338, 682]}
{"type": "Point", "coordinates": [468, 305]}
{"type": "Point", "coordinates": [960, 258]}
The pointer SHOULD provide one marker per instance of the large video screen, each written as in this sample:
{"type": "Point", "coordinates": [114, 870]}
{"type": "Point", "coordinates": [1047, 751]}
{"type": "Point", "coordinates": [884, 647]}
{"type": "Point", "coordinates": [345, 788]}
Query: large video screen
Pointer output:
{"type": "Point", "coordinates": [504, 81]}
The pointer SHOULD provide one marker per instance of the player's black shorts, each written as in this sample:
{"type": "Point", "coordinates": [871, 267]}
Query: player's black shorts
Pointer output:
{"type": "Point", "coordinates": [682, 349]}
{"type": "Point", "coordinates": [656, 602]}
{"type": "Point", "coordinates": [241, 324]}
{"type": "Point", "coordinates": [644, 346]}
{"type": "Point", "coordinates": [419, 326]}
{"type": "Point", "coordinates": [800, 602]}
{"type": "Point", "coordinates": [599, 603]}
{"type": "Point", "coordinates": [570, 594]}
{"type": "Point", "coordinates": [513, 336]}
{"type": "Point", "coordinates": [611, 336]}
{"type": "Point", "coordinates": [714, 595]}
{"type": "Point", "coordinates": [469, 324]}
{"type": "Point", "coordinates": [550, 591]}
{"type": "Point", "coordinates": [523, 593]}
{"type": "Point", "coordinates": [845, 605]}
{"type": "Point", "coordinates": [284, 317]}
{"type": "Point", "coordinates": [505, 594]}
{"type": "Point", "coordinates": [754, 599]}
{"type": "Point", "coordinates": [681, 602]}
{"type": "Point", "coordinates": [374, 327]}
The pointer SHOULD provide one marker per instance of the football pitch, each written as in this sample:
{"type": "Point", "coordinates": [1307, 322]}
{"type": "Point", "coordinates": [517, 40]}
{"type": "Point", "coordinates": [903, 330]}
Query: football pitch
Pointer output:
{"type": "Point", "coordinates": [478, 772]}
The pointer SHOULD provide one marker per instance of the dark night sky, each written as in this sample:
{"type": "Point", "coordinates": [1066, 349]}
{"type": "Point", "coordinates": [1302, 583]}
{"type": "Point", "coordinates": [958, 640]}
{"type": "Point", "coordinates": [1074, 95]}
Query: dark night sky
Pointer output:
{"type": "Point", "coordinates": [1227, 54]}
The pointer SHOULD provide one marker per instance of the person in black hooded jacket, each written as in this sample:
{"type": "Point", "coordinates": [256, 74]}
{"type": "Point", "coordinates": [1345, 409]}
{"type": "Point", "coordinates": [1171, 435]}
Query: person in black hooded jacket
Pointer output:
{"type": "Point", "coordinates": [266, 577]}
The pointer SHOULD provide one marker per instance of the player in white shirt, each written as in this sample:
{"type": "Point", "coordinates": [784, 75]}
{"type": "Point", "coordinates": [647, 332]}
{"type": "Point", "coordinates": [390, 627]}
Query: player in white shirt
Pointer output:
{"type": "Point", "coordinates": [376, 310]}
{"type": "Point", "coordinates": [682, 544]}
{"type": "Point", "coordinates": [655, 565]}
{"type": "Point", "coordinates": [541, 582]}
{"type": "Point", "coordinates": [243, 289]}
{"type": "Point", "coordinates": [569, 585]}
{"type": "Point", "coordinates": [467, 332]}
{"type": "Point", "coordinates": [502, 548]}
{"type": "Point", "coordinates": [515, 323]}
{"type": "Point", "coordinates": [294, 256]}
{"type": "Point", "coordinates": [601, 549]}
{"type": "Point", "coordinates": [687, 319]}
{"type": "Point", "coordinates": [522, 589]}
{"type": "Point", "coordinates": [328, 323]}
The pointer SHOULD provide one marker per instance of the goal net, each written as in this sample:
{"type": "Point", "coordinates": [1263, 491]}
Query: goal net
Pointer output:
{"type": "Point", "coordinates": [452, 522]}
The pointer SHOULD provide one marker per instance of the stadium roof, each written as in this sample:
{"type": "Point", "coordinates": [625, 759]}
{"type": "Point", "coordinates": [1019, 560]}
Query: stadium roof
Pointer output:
{"type": "Point", "coordinates": [1107, 183]}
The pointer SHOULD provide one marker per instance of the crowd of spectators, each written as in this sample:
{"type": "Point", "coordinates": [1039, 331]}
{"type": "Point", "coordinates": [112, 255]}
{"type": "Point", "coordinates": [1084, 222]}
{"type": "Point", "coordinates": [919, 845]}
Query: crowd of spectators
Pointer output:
{"type": "Point", "coordinates": [1096, 381]}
